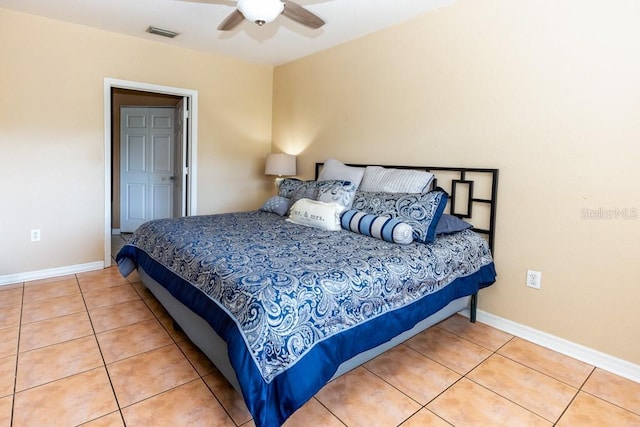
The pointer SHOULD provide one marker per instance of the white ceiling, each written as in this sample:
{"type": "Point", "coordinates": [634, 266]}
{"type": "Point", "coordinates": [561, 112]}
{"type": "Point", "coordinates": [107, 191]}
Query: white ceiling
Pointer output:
{"type": "Point", "coordinates": [278, 42]}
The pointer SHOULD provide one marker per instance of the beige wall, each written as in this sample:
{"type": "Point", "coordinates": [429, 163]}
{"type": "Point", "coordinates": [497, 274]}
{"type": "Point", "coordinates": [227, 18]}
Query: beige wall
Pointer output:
{"type": "Point", "coordinates": [546, 91]}
{"type": "Point", "coordinates": [52, 133]}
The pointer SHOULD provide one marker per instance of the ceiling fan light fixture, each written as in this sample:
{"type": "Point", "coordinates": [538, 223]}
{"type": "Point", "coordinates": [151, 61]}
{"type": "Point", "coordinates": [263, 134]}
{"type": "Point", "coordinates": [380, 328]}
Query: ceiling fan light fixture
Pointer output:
{"type": "Point", "coordinates": [260, 11]}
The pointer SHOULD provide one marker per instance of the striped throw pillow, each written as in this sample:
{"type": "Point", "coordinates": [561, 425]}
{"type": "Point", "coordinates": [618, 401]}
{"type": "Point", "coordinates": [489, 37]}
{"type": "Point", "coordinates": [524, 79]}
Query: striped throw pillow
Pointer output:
{"type": "Point", "coordinates": [381, 227]}
{"type": "Point", "coordinates": [379, 179]}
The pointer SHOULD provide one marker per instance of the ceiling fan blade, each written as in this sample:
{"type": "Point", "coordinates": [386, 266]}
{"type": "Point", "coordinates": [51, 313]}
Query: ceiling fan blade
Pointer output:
{"type": "Point", "coordinates": [301, 15]}
{"type": "Point", "coordinates": [231, 21]}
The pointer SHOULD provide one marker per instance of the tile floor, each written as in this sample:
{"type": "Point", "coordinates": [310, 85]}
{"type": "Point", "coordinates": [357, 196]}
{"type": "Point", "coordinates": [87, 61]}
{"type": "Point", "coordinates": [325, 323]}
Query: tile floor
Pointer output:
{"type": "Point", "coordinates": [95, 349]}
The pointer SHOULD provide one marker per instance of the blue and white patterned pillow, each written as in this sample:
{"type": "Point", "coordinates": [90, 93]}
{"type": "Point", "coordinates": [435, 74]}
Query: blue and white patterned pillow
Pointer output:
{"type": "Point", "coordinates": [277, 204]}
{"type": "Point", "coordinates": [420, 210]}
{"type": "Point", "coordinates": [381, 227]}
{"type": "Point", "coordinates": [336, 191]}
{"type": "Point", "coordinates": [304, 192]}
{"type": "Point", "coordinates": [340, 192]}
{"type": "Point", "coordinates": [287, 186]}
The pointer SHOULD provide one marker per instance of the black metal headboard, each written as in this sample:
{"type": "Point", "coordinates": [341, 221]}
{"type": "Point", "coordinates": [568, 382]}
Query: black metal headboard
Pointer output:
{"type": "Point", "coordinates": [473, 193]}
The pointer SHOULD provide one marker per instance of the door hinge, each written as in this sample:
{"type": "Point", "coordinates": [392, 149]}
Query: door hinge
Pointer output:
{"type": "Point", "coordinates": [187, 114]}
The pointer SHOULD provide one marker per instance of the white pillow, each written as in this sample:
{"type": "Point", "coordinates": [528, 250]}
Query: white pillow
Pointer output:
{"type": "Point", "coordinates": [379, 179]}
{"type": "Point", "coordinates": [313, 213]}
{"type": "Point", "coordinates": [336, 170]}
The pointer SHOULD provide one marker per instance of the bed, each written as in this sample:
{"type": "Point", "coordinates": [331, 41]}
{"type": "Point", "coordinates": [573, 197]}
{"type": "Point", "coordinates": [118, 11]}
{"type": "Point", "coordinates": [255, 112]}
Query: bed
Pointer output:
{"type": "Point", "coordinates": [281, 308]}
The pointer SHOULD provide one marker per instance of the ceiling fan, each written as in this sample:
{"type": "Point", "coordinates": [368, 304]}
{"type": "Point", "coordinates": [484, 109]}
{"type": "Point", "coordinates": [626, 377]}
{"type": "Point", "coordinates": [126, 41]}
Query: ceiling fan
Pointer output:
{"type": "Point", "coordinates": [265, 11]}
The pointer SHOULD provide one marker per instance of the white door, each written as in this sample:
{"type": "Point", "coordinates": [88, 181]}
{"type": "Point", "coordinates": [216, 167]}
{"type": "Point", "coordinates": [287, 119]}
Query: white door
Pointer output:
{"type": "Point", "coordinates": [146, 165]}
{"type": "Point", "coordinates": [180, 181]}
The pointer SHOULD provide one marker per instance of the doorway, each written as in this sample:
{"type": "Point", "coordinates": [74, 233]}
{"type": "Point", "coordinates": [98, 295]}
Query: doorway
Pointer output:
{"type": "Point", "coordinates": [120, 92]}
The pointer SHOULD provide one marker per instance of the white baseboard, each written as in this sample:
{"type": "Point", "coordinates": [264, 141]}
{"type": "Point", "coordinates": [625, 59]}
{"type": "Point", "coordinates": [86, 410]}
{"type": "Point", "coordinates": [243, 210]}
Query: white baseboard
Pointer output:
{"type": "Point", "coordinates": [115, 231]}
{"type": "Point", "coordinates": [50, 272]}
{"type": "Point", "coordinates": [588, 355]}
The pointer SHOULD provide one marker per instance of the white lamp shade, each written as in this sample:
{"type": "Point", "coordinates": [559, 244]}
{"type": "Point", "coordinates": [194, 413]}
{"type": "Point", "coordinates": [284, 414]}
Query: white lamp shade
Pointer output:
{"type": "Point", "coordinates": [280, 164]}
{"type": "Point", "coordinates": [261, 11]}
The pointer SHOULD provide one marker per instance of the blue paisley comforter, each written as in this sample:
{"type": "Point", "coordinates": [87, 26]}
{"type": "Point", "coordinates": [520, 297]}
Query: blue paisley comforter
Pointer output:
{"type": "Point", "coordinates": [290, 301]}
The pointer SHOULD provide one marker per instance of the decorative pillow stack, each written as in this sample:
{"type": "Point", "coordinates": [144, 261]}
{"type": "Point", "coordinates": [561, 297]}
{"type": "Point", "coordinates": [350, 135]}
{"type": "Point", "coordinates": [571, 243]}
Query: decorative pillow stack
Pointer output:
{"type": "Point", "coordinates": [291, 190]}
{"type": "Point", "coordinates": [389, 204]}
{"type": "Point", "coordinates": [421, 211]}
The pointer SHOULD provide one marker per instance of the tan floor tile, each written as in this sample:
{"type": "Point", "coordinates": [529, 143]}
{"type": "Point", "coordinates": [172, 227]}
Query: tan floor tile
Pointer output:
{"type": "Point", "coordinates": [448, 349]}
{"type": "Point", "coordinates": [113, 419]}
{"type": "Point", "coordinates": [534, 391]}
{"type": "Point", "coordinates": [6, 404]}
{"type": "Point", "coordinates": [147, 374]}
{"type": "Point", "coordinates": [155, 306]}
{"type": "Point", "coordinates": [556, 365]}
{"type": "Point", "coordinates": [57, 361]}
{"type": "Point", "coordinates": [133, 277]}
{"type": "Point", "coordinates": [109, 296]}
{"type": "Point", "coordinates": [49, 280]}
{"type": "Point", "coordinates": [141, 289]}
{"type": "Point", "coordinates": [112, 272]}
{"type": "Point", "coordinates": [9, 341]}
{"type": "Point", "coordinates": [177, 335]}
{"type": "Point", "coordinates": [312, 413]}
{"type": "Point", "coordinates": [359, 398]}
{"type": "Point", "coordinates": [130, 340]}
{"type": "Point", "coordinates": [12, 286]}
{"type": "Point", "coordinates": [469, 404]}
{"type": "Point", "coordinates": [95, 282]}
{"type": "Point", "coordinates": [478, 333]}
{"type": "Point", "coordinates": [54, 307]}
{"type": "Point", "coordinates": [415, 375]}
{"type": "Point", "coordinates": [69, 401]}
{"type": "Point", "coordinates": [589, 411]}
{"type": "Point", "coordinates": [230, 399]}
{"type": "Point", "coordinates": [10, 315]}
{"type": "Point", "coordinates": [191, 404]}
{"type": "Point", "coordinates": [7, 375]}
{"type": "Point", "coordinates": [614, 389]}
{"type": "Point", "coordinates": [53, 331]}
{"type": "Point", "coordinates": [117, 315]}
{"type": "Point", "coordinates": [197, 358]}
{"type": "Point", "coordinates": [51, 290]}
{"type": "Point", "coordinates": [425, 418]}
{"type": "Point", "coordinates": [12, 296]}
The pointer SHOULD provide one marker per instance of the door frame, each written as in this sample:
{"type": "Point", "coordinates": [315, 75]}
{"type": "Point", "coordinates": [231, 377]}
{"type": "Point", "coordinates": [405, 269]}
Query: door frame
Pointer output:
{"type": "Point", "coordinates": [192, 147]}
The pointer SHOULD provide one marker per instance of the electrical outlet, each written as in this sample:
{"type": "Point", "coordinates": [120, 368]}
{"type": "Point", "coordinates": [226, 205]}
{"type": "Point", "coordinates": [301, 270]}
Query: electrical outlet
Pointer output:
{"type": "Point", "coordinates": [534, 279]}
{"type": "Point", "coordinates": [35, 235]}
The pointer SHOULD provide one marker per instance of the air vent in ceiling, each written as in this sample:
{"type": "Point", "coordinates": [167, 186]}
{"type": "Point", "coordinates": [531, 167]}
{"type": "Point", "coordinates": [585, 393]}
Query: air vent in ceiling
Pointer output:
{"type": "Point", "coordinates": [161, 32]}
